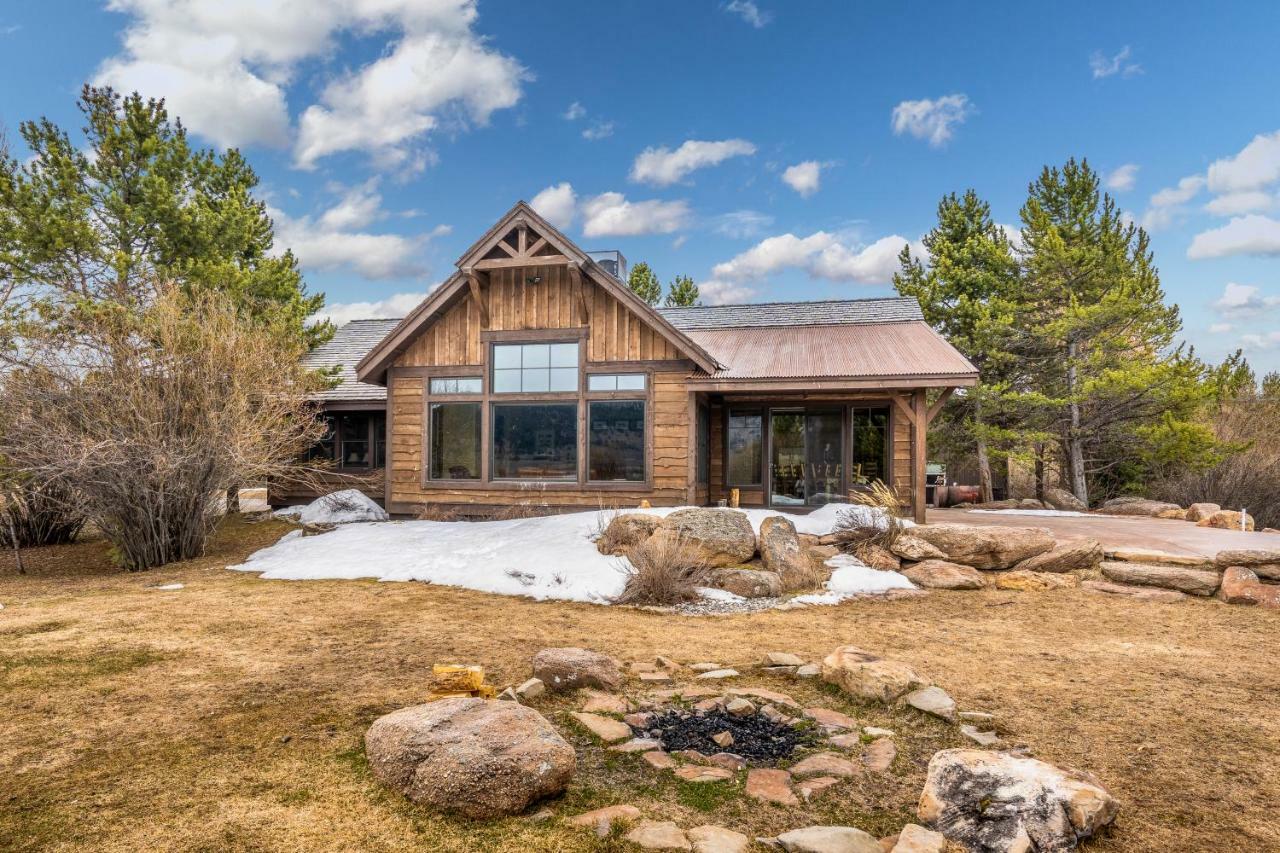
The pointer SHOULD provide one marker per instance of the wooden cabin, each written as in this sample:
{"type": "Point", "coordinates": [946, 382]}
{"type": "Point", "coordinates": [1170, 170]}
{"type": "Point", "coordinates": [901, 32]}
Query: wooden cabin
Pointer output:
{"type": "Point", "coordinates": [534, 375]}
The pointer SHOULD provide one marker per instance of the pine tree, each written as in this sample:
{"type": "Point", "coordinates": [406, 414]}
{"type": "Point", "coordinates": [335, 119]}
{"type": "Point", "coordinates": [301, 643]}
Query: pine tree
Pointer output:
{"type": "Point", "coordinates": [137, 205]}
{"type": "Point", "coordinates": [967, 293]}
{"type": "Point", "coordinates": [644, 283]}
{"type": "Point", "coordinates": [682, 293]}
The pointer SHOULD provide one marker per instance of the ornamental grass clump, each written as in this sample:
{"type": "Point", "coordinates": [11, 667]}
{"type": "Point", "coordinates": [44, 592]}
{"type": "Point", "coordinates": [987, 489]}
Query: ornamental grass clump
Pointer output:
{"type": "Point", "coordinates": [874, 519]}
{"type": "Point", "coordinates": [662, 570]}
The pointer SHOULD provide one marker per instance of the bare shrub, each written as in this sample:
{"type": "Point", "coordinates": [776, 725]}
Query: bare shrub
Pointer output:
{"type": "Point", "coordinates": [1250, 480]}
{"type": "Point", "coordinates": [600, 530]}
{"type": "Point", "coordinates": [34, 514]}
{"type": "Point", "coordinates": [149, 413]}
{"type": "Point", "coordinates": [662, 570]}
{"type": "Point", "coordinates": [876, 521]}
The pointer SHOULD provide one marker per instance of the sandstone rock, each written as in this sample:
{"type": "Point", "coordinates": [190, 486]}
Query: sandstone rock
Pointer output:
{"type": "Point", "coordinates": [986, 547]}
{"type": "Point", "coordinates": [723, 739]}
{"type": "Point", "coordinates": [1177, 513]}
{"type": "Point", "coordinates": [626, 531]}
{"type": "Point", "coordinates": [691, 773]}
{"type": "Point", "coordinates": [719, 537]}
{"type": "Point", "coordinates": [879, 755]}
{"type": "Point", "coordinates": [782, 659]}
{"type": "Point", "coordinates": [509, 695]}
{"type": "Point", "coordinates": [1199, 512]}
{"type": "Point", "coordinates": [717, 674]}
{"type": "Point", "coordinates": [638, 744]}
{"type": "Point", "coordinates": [571, 668]}
{"type": "Point", "coordinates": [1227, 519]}
{"type": "Point", "coordinates": [823, 764]}
{"type": "Point", "coordinates": [671, 666]}
{"type": "Point", "coordinates": [605, 703]}
{"type": "Point", "coordinates": [704, 666]}
{"type": "Point", "coordinates": [659, 759]}
{"type": "Point", "coordinates": [828, 839]}
{"type": "Point", "coordinates": [1264, 563]}
{"type": "Point", "coordinates": [771, 786]}
{"type": "Point", "coordinates": [780, 552]}
{"type": "Point", "coordinates": [810, 788]}
{"type": "Point", "coordinates": [993, 801]}
{"type": "Point", "coordinates": [809, 670]}
{"type": "Point", "coordinates": [932, 700]}
{"type": "Point", "coordinates": [914, 838]}
{"type": "Point", "coordinates": [728, 761]}
{"type": "Point", "coordinates": [658, 835]}
{"type": "Point", "coordinates": [980, 737]}
{"type": "Point", "coordinates": [717, 839]}
{"type": "Point", "coordinates": [909, 547]}
{"type": "Point", "coordinates": [1191, 581]}
{"type": "Point", "coordinates": [478, 758]}
{"type": "Point", "coordinates": [829, 720]}
{"type": "Point", "coordinates": [819, 554]}
{"type": "Point", "coordinates": [868, 676]}
{"type": "Point", "coordinates": [1075, 555]}
{"type": "Point", "coordinates": [739, 707]}
{"type": "Point", "coordinates": [1061, 499]}
{"type": "Point", "coordinates": [602, 820]}
{"type": "Point", "coordinates": [609, 731]}
{"type": "Point", "coordinates": [748, 583]}
{"type": "Point", "coordinates": [1138, 592]}
{"type": "Point", "coordinates": [765, 695]}
{"type": "Point", "coordinates": [977, 716]}
{"type": "Point", "coordinates": [1028, 581]}
{"type": "Point", "coordinates": [655, 677]}
{"type": "Point", "coordinates": [1241, 586]}
{"type": "Point", "coordinates": [1159, 558]}
{"type": "Point", "coordinates": [531, 689]}
{"type": "Point", "coordinates": [880, 558]}
{"type": "Point", "coordinates": [940, 574]}
{"type": "Point", "coordinates": [876, 731]}
{"type": "Point", "coordinates": [1138, 506]}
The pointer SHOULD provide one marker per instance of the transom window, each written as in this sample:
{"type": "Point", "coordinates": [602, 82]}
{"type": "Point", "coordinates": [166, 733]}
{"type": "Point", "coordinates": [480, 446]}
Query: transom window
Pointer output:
{"type": "Point", "coordinates": [616, 382]}
{"type": "Point", "coordinates": [535, 368]}
{"type": "Point", "coordinates": [456, 385]}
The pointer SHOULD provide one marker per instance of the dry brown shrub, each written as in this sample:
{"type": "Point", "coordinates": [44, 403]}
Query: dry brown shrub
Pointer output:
{"type": "Point", "coordinates": [854, 530]}
{"type": "Point", "coordinates": [662, 570]}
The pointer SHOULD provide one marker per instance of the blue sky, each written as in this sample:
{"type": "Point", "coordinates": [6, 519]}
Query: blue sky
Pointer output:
{"type": "Point", "coordinates": [772, 151]}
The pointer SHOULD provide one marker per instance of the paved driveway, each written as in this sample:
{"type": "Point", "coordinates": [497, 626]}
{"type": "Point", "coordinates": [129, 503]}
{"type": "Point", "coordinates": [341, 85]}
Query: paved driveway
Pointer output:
{"type": "Point", "coordinates": [1115, 531]}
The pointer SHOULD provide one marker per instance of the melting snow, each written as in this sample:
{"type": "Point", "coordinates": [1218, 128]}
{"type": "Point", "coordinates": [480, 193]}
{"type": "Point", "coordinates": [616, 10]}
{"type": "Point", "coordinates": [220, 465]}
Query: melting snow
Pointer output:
{"type": "Point", "coordinates": [853, 577]}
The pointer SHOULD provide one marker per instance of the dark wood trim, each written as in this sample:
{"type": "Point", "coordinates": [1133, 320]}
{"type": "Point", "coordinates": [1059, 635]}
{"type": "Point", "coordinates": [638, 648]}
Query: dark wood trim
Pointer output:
{"type": "Point", "coordinates": [653, 365]}
{"type": "Point", "coordinates": [353, 405]}
{"type": "Point", "coordinates": [520, 261]}
{"type": "Point", "coordinates": [919, 453]}
{"type": "Point", "coordinates": [569, 334]}
{"type": "Point", "coordinates": [482, 304]}
{"type": "Point", "coordinates": [904, 408]}
{"type": "Point", "coordinates": [853, 383]}
{"type": "Point", "coordinates": [936, 408]}
{"type": "Point", "coordinates": [390, 448]}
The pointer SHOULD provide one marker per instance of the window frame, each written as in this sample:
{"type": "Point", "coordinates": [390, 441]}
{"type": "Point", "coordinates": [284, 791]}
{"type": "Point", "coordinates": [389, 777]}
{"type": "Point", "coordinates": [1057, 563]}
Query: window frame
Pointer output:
{"type": "Point", "coordinates": [763, 413]}
{"type": "Point", "coordinates": [429, 458]}
{"type": "Point", "coordinates": [645, 444]}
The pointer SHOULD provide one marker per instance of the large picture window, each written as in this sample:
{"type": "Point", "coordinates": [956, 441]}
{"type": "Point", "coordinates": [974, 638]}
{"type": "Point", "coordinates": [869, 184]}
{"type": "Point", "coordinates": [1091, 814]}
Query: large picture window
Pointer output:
{"type": "Point", "coordinates": [870, 446]}
{"type": "Point", "coordinates": [535, 441]}
{"type": "Point", "coordinates": [455, 441]}
{"type": "Point", "coordinates": [535, 368]}
{"type": "Point", "coordinates": [615, 450]}
{"type": "Point", "coordinates": [745, 443]}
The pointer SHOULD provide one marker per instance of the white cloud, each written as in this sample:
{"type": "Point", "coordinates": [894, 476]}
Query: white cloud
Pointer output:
{"type": "Point", "coordinates": [663, 167]}
{"type": "Point", "coordinates": [1168, 205]}
{"type": "Point", "coordinates": [338, 238]}
{"type": "Point", "coordinates": [1244, 300]}
{"type": "Point", "coordinates": [1256, 166]}
{"type": "Point", "coordinates": [392, 308]}
{"type": "Point", "coordinates": [1236, 203]}
{"type": "Point", "coordinates": [557, 204]}
{"type": "Point", "coordinates": [1122, 178]}
{"type": "Point", "coordinates": [1012, 233]}
{"type": "Point", "coordinates": [1220, 328]}
{"type": "Point", "coordinates": [804, 177]}
{"type": "Point", "coordinates": [741, 224]}
{"type": "Point", "coordinates": [611, 215]}
{"type": "Point", "coordinates": [1107, 66]}
{"type": "Point", "coordinates": [749, 12]}
{"type": "Point", "coordinates": [1260, 341]}
{"type": "Point", "coordinates": [575, 112]}
{"type": "Point", "coordinates": [598, 130]}
{"type": "Point", "coordinates": [931, 119]}
{"type": "Point", "coordinates": [821, 255]}
{"type": "Point", "coordinates": [1244, 235]}
{"type": "Point", "coordinates": [717, 292]}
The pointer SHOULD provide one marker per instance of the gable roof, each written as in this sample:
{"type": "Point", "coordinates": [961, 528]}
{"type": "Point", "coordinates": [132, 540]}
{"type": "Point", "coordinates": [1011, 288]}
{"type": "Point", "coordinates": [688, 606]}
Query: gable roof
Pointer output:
{"type": "Point", "coordinates": [830, 312]}
{"type": "Point", "coordinates": [349, 344]}
{"type": "Point", "coordinates": [373, 367]}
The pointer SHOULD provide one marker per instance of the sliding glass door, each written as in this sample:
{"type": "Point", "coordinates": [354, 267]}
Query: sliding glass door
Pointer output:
{"type": "Point", "coordinates": [806, 448]}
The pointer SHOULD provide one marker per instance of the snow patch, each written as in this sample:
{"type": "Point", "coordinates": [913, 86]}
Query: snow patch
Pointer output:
{"type": "Point", "coordinates": [169, 587]}
{"type": "Point", "coordinates": [853, 577]}
{"type": "Point", "coordinates": [348, 506]}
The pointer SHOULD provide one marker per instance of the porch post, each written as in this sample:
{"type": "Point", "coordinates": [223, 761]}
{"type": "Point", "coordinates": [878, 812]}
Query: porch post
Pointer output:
{"type": "Point", "coordinates": [691, 470]}
{"type": "Point", "coordinates": [919, 454]}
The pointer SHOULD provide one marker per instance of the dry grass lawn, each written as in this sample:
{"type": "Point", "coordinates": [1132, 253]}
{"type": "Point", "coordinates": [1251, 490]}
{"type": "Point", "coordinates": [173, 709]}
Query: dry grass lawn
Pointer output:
{"type": "Point", "coordinates": [229, 715]}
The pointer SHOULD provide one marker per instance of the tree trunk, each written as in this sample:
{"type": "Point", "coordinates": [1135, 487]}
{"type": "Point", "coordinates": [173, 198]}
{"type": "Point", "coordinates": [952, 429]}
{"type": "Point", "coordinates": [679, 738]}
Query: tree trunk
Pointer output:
{"type": "Point", "coordinates": [1040, 470]}
{"type": "Point", "coordinates": [1075, 443]}
{"type": "Point", "coordinates": [984, 461]}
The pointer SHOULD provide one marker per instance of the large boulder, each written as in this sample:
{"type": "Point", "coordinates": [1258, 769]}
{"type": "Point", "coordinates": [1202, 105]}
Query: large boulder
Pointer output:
{"type": "Point", "coordinates": [940, 574]}
{"type": "Point", "coordinates": [1061, 499]}
{"type": "Point", "coordinates": [349, 506]}
{"type": "Point", "coordinates": [781, 552]}
{"type": "Point", "coordinates": [479, 758]}
{"type": "Point", "coordinates": [913, 548]}
{"type": "Point", "coordinates": [1227, 519]}
{"type": "Point", "coordinates": [748, 583]}
{"type": "Point", "coordinates": [1264, 563]}
{"type": "Point", "coordinates": [1141, 506]}
{"type": "Point", "coordinates": [625, 532]}
{"type": "Point", "coordinates": [1199, 512]}
{"type": "Point", "coordinates": [878, 557]}
{"type": "Point", "coordinates": [991, 801]}
{"type": "Point", "coordinates": [1241, 586]}
{"type": "Point", "coordinates": [869, 676]}
{"type": "Point", "coordinates": [1190, 581]}
{"type": "Point", "coordinates": [571, 668]}
{"type": "Point", "coordinates": [1074, 555]}
{"type": "Point", "coordinates": [717, 537]}
{"type": "Point", "coordinates": [1159, 558]}
{"type": "Point", "coordinates": [986, 547]}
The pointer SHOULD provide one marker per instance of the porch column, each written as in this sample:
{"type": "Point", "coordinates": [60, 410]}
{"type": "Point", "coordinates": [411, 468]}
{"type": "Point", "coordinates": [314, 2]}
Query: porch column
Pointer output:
{"type": "Point", "coordinates": [691, 470]}
{"type": "Point", "coordinates": [919, 453]}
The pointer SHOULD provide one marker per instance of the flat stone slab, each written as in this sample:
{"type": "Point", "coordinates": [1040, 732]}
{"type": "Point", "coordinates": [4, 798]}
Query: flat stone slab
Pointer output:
{"type": "Point", "coordinates": [605, 817]}
{"type": "Point", "coordinates": [640, 744]}
{"type": "Point", "coordinates": [609, 731]}
{"type": "Point", "coordinates": [1159, 558]}
{"type": "Point", "coordinates": [831, 721]}
{"type": "Point", "coordinates": [658, 835]}
{"type": "Point", "coordinates": [719, 673]}
{"type": "Point", "coordinates": [1138, 592]}
{"type": "Point", "coordinates": [1264, 563]}
{"type": "Point", "coordinates": [979, 737]}
{"type": "Point", "coordinates": [605, 703]}
{"type": "Point", "coordinates": [1182, 579]}
{"type": "Point", "coordinates": [771, 786]}
{"type": "Point", "coordinates": [692, 773]}
{"type": "Point", "coordinates": [828, 839]}
{"type": "Point", "coordinates": [823, 764]}
{"type": "Point", "coordinates": [932, 700]}
{"type": "Point", "coordinates": [717, 839]}
{"type": "Point", "coordinates": [659, 760]}
{"type": "Point", "coordinates": [879, 754]}
{"type": "Point", "coordinates": [811, 788]}
{"type": "Point", "coordinates": [782, 659]}
{"type": "Point", "coordinates": [765, 695]}
{"type": "Point", "coordinates": [705, 666]}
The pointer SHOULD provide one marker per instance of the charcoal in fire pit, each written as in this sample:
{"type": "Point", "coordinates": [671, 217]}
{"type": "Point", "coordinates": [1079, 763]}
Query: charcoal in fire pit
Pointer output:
{"type": "Point", "coordinates": [755, 737]}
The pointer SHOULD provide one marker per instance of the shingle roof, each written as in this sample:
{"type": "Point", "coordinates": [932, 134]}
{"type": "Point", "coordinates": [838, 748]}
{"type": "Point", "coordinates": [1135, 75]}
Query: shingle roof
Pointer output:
{"type": "Point", "coordinates": [833, 312]}
{"type": "Point", "coordinates": [350, 344]}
